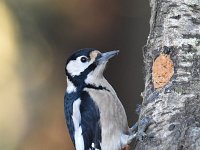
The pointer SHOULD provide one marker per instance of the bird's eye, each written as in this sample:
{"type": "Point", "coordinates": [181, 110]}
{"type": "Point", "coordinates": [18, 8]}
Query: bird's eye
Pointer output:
{"type": "Point", "coordinates": [83, 59]}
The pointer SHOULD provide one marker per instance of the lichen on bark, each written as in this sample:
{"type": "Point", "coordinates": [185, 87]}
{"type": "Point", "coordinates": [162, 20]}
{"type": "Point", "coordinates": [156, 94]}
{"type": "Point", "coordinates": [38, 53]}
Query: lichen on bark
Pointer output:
{"type": "Point", "coordinates": [174, 25]}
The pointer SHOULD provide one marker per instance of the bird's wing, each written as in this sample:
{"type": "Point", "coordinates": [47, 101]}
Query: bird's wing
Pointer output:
{"type": "Point", "coordinates": [68, 108]}
{"type": "Point", "coordinates": [90, 122]}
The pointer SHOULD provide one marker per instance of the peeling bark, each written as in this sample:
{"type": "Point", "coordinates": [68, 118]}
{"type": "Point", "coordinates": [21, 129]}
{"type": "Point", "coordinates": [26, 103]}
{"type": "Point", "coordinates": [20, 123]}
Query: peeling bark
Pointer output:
{"type": "Point", "coordinates": [175, 107]}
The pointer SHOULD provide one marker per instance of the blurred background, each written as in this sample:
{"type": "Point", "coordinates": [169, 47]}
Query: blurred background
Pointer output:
{"type": "Point", "coordinates": [36, 38]}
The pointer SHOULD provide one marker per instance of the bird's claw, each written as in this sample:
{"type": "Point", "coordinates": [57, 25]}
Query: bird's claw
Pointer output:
{"type": "Point", "coordinates": [141, 135]}
{"type": "Point", "coordinates": [144, 123]}
{"type": "Point", "coordinates": [138, 109]}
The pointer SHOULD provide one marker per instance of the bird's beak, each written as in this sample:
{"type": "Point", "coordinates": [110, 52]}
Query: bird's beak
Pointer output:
{"type": "Point", "coordinates": [104, 57]}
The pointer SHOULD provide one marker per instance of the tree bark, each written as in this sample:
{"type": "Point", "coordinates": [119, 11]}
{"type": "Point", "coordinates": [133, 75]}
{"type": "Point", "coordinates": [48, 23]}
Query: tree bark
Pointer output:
{"type": "Point", "coordinates": [172, 76]}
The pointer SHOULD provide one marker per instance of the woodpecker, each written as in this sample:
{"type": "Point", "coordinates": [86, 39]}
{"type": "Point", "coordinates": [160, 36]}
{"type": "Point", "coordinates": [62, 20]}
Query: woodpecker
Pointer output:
{"type": "Point", "coordinates": [95, 117]}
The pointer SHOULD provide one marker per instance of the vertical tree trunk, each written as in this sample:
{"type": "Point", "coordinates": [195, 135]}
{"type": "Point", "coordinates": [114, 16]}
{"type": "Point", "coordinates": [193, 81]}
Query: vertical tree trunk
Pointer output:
{"type": "Point", "coordinates": [172, 79]}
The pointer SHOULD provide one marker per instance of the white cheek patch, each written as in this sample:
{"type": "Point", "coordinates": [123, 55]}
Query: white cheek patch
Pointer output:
{"type": "Point", "coordinates": [75, 67]}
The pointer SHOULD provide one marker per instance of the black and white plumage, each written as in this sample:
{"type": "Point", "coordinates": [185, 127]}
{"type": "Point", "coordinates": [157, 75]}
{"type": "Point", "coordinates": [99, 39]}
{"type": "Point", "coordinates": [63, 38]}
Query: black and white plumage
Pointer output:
{"type": "Point", "coordinates": [95, 117]}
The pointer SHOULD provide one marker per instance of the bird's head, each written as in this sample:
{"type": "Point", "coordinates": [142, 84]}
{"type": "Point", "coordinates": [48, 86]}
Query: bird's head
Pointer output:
{"type": "Point", "coordinates": [87, 62]}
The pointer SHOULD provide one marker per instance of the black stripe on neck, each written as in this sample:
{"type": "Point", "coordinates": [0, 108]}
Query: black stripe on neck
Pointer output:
{"type": "Point", "coordinates": [78, 80]}
{"type": "Point", "coordinates": [96, 87]}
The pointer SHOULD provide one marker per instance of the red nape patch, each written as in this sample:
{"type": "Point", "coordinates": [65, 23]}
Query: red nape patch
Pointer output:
{"type": "Point", "coordinates": [162, 70]}
{"type": "Point", "coordinates": [126, 148]}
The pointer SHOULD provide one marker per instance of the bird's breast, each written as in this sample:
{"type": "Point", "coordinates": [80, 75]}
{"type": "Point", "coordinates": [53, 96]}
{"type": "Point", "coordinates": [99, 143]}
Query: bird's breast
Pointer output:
{"type": "Point", "coordinates": [112, 116]}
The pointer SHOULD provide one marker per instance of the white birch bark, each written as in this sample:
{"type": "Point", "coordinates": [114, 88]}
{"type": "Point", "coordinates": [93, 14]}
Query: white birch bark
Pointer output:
{"type": "Point", "coordinates": [175, 107]}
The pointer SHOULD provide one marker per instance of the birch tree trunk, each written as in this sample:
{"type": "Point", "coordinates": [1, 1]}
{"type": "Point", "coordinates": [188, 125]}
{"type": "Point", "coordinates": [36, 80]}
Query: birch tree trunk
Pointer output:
{"type": "Point", "coordinates": [172, 79]}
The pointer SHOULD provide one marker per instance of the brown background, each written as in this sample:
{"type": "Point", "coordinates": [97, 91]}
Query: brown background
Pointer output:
{"type": "Point", "coordinates": [37, 36]}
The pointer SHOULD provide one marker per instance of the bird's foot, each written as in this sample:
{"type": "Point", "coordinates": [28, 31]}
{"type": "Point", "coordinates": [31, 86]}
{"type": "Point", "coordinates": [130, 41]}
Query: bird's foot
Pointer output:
{"type": "Point", "coordinates": [138, 109]}
{"type": "Point", "coordinates": [144, 123]}
{"type": "Point", "coordinates": [135, 126]}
